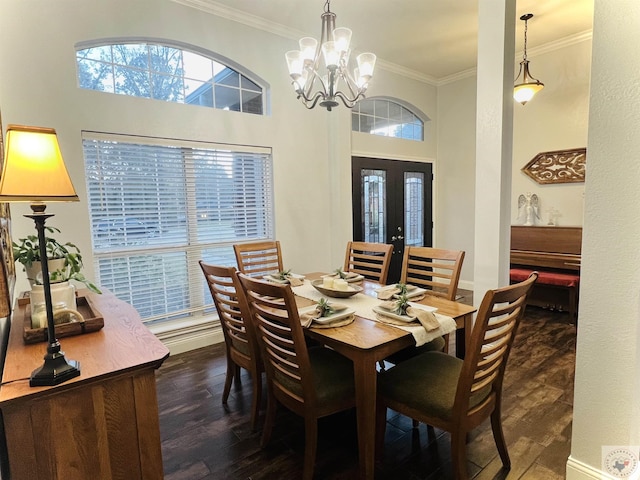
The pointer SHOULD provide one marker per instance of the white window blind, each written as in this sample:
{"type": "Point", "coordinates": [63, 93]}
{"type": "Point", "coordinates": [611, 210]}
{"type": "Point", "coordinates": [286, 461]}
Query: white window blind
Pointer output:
{"type": "Point", "coordinates": [158, 206]}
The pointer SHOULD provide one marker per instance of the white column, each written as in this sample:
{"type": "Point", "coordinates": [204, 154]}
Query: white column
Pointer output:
{"type": "Point", "coordinates": [494, 138]}
{"type": "Point", "coordinates": [607, 380]}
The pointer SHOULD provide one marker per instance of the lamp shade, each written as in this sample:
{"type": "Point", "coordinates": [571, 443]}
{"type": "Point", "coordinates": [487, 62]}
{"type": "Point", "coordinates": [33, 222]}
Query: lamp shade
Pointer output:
{"type": "Point", "coordinates": [33, 169]}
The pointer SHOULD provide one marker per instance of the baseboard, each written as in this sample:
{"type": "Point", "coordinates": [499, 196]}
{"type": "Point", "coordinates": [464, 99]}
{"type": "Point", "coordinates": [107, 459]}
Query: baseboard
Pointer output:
{"type": "Point", "coordinates": [465, 285]}
{"type": "Point", "coordinates": [192, 337]}
{"type": "Point", "coordinates": [577, 470]}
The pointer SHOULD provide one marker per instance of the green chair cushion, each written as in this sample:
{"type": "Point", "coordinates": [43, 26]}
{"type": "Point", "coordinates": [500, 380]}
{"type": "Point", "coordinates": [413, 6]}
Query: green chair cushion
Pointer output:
{"type": "Point", "coordinates": [427, 382]}
{"type": "Point", "coordinates": [332, 374]}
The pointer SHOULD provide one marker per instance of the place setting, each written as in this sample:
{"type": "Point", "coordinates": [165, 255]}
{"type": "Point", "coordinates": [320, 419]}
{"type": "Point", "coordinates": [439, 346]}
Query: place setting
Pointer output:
{"type": "Point", "coordinates": [284, 277]}
{"type": "Point", "coordinates": [397, 290]}
{"type": "Point", "coordinates": [422, 321]}
{"type": "Point", "coordinates": [340, 274]}
{"type": "Point", "coordinates": [326, 314]}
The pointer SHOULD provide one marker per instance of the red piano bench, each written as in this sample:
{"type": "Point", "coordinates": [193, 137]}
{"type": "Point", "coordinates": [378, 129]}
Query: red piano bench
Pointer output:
{"type": "Point", "coordinates": [565, 281]}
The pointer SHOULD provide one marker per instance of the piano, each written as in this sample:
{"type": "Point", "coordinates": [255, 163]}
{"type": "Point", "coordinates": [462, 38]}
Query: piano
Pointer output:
{"type": "Point", "coordinates": [554, 252]}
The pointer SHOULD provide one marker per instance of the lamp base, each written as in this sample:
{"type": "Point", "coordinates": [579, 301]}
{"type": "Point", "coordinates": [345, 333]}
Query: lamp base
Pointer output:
{"type": "Point", "coordinates": [56, 370]}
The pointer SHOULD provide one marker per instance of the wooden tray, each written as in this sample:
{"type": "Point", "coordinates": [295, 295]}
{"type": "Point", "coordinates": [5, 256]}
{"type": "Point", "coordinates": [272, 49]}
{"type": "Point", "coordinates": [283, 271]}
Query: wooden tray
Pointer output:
{"type": "Point", "coordinates": [93, 321]}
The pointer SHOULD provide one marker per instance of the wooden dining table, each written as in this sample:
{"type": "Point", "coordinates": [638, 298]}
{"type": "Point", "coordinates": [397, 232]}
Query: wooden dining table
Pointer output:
{"type": "Point", "coordinates": [365, 342]}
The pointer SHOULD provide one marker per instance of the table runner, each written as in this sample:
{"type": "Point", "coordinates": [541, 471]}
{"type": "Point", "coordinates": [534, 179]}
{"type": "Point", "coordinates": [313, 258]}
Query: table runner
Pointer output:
{"type": "Point", "coordinates": [363, 306]}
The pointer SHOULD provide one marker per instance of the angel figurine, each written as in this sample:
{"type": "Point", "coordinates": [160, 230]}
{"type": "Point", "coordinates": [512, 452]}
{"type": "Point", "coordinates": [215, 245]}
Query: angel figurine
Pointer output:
{"type": "Point", "coordinates": [528, 208]}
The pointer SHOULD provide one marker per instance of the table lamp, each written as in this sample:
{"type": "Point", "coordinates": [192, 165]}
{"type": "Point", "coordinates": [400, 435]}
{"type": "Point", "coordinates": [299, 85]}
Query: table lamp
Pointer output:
{"type": "Point", "coordinates": [34, 171]}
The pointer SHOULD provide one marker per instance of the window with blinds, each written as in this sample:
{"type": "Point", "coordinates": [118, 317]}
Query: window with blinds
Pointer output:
{"type": "Point", "coordinates": [158, 206]}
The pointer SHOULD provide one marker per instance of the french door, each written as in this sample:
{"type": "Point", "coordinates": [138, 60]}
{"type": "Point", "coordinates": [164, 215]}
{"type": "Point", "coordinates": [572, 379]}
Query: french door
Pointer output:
{"type": "Point", "coordinates": [392, 203]}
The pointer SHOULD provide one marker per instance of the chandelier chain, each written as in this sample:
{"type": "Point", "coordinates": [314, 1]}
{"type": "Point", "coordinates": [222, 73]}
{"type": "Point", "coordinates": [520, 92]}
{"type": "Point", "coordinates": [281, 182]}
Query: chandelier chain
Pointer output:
{"type": "Point", "coordinates": [525, 39]}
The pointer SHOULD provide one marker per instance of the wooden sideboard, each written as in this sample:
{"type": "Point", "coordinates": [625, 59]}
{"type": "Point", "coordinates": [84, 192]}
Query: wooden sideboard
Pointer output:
{"type": "Point", "coordinates": [100, 425]}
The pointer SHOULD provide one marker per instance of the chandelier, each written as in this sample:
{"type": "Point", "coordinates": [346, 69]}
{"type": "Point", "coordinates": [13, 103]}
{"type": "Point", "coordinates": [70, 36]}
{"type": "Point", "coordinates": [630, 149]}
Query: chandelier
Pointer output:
{"type": "Point", "coordinates": [313, 85]}
{"type": "Point", "coordinates": [524, 90]}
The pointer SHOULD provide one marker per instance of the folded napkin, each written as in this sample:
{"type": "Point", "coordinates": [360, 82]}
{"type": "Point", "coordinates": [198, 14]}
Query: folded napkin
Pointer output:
{"type": "Point", "coordinates": [388, 292]}
{"type": "Point", "coordinates": [284, 277]}
{"type": "Point", "coordinates": [347, 275]}
{"type": "Point", "coordinates": [295, 281]}
{"type": "Point", "coordinates": [427, 319]}
{"type": "Point", "coordinates": [306, 319]}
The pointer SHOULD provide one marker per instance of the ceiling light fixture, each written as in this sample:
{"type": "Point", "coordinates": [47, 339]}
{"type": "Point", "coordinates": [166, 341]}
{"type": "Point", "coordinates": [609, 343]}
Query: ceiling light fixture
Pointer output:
{"type": "Point", "coordinates": [304, 67]}
{"type": "Point", "coordinates": [524, 90]}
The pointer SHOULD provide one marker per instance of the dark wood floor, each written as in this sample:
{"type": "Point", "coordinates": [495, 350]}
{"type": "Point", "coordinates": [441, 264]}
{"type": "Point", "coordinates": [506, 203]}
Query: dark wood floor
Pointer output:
{"type": "Point", "coordinates": [202, 439]}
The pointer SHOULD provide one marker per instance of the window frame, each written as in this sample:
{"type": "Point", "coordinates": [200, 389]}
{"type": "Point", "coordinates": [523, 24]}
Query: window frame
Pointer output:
{"type": "Point", "coordinates": [210, 250]}
{"type": "Point", "coordinates": [215, 57]}
{"type": "Point", "coordinates": [357, 115]}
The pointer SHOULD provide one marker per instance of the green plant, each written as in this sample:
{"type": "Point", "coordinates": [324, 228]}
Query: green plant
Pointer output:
{"type": "Point", "coordinates": [402, 287]}
{"type": "Point", "coordinates": [27, 250]}
{"type": "Point", "coordinates": [324, 308]}
{"type": "Point", "coordinates": [283, 274]}
{"type": "Point", "coordinates": [402, 304]}
{"type": "Point", "coordinates": [340, 273]}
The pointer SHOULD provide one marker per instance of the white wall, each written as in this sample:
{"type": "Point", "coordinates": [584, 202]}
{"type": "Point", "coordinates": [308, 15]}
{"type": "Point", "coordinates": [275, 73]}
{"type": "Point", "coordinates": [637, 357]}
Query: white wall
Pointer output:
{"type": "Point", "coordinates": [555, 119]}
{"type": "Point", "coordinates": [455, 219]}
{"type": "Point", "coordinates": [607, 380]}
{"type": "Point", "coordinates": [311, 148]}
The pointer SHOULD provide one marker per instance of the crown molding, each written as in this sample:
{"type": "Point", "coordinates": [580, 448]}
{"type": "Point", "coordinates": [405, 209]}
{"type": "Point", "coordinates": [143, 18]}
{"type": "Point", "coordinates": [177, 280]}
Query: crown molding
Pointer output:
{"type": "Point", "coordinates": [574, 39]}
{"type": "Point", "coordinates": [406, 72]}
{"type": "Point", "coordinates": [454, 77]}
{"type": "Point", "coordinates": [532, 52]}
{"type": "Point", "coordinates": [235, 15]}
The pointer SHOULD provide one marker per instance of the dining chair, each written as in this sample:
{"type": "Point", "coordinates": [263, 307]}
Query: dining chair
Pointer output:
{"type": "Point", "coordinates": [457, 395]}
{"type": "Point", "coordinates": [239, 335]}
{"type": "Point", "coordinates": [437, 270]}
{"type": "Point", "coordinates": [311, 382]}
{"type": "Point", "coordinates": [370, 260]}
{"type": "Point", "coordinates": [257, 259]}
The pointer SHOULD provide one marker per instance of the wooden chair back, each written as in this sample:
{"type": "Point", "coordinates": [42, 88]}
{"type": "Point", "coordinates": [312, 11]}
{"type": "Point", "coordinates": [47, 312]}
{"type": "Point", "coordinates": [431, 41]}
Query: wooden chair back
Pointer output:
{"type": "Point", "coordinates": [435, 269]}
{"type": "Point", "coordinates": [486, 357]}
{"type": "Point", "coordinates": [311, 382]}
{"type": "Point", "coordinates": [258, 258]}
{"type": "Point", "coordinates": [239, 334]}
{"type": "Point", "coordinates": [371, 260]}
{"type": "Point", "coordinates": [284, 351]}
{"type": "Point", "coordinates": [423, 386]}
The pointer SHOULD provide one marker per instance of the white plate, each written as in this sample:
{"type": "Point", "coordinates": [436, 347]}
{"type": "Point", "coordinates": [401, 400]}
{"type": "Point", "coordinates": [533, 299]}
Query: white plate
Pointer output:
{"type": "Point", "coordinates": [331, 318]}
{"type": "Point", "coordinates": [403, 318]}
{"type": "Point", "coordinates": [275, 279]}
{"type": "Point", "coordinates": [412, 291]}
{"type": "Point", "coordinates": [357, 278]}
{"type": "Point", "coordinates": [416, 292]}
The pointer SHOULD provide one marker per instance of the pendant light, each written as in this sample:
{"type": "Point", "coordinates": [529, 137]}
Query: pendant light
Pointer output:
{"type": "Point", "coordinates": [527, 87]}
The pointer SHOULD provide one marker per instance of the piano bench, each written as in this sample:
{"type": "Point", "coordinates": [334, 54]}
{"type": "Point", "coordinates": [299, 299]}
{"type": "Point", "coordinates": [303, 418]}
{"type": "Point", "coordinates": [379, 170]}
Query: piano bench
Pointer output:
{"type": "Point", "coordinates": [557, 280]}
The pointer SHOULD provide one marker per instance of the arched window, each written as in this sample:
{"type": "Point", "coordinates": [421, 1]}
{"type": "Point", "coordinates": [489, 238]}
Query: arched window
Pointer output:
{"type": "Point", "coordinates": [169, 73]}
{"type": "Point", "coordinates": [382, 116]}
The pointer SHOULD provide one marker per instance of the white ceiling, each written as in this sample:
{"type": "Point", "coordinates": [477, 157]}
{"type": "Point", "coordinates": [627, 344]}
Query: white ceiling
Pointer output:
{"type": "Point", "coordinates": [431, 38]}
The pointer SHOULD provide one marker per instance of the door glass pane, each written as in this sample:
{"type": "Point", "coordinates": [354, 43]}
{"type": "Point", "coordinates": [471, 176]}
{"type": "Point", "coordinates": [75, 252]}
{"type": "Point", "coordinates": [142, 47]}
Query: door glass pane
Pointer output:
{"type": "Point", "coordinates": [413, 208]}
{"type": "Point", "coordinates": [374, 216]}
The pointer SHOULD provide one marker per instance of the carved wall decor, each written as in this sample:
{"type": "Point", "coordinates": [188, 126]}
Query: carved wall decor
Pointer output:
{"type": "Point", "coordinates": [560, 166]}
